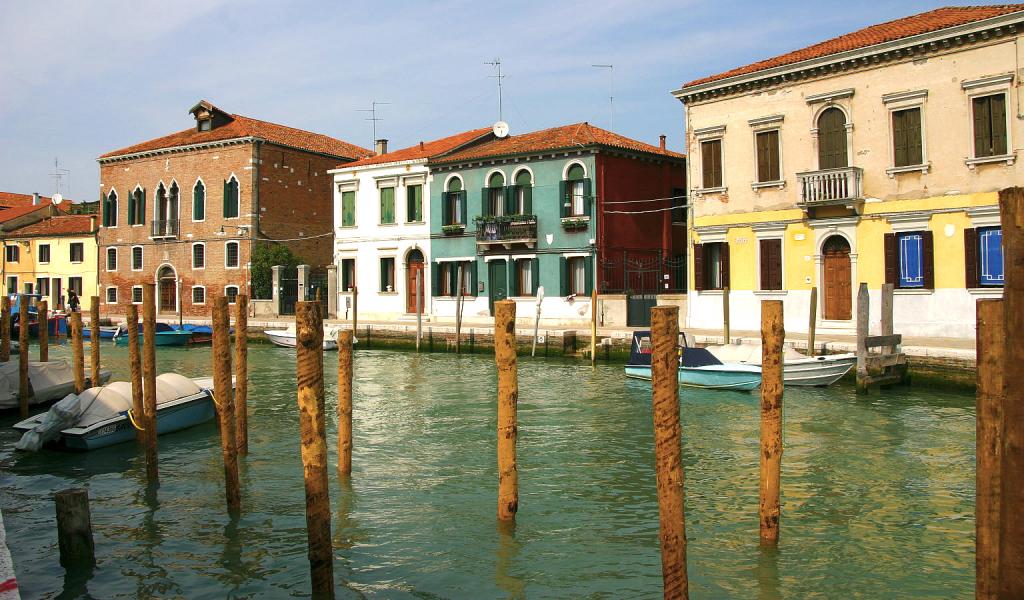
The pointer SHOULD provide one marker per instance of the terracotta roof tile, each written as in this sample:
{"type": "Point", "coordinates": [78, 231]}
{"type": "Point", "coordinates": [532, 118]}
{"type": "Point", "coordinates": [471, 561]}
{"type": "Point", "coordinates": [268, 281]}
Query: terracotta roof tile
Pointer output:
{"type": "Point", "coordinates": [577, 135]}
{"type": "Point", "coordinates": [241, 126]}
{"type": "Point", "coordinates": [10, 199]}
{"type": "Point", "coordinates": [8, 214]}
{"type": "Point", "coordinates": [58, 225]}
{"type": "Point", "coordinates": [429, 149]}
{"type": "Point", "coordinates": [905, 27]}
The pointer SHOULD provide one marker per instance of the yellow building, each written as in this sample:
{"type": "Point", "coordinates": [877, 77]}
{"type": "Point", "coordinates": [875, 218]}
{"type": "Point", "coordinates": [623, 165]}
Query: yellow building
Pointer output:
{"type": "Point", "coordinates": [52, 257]}
{"type": "Point", "coordinates": [874, 157]}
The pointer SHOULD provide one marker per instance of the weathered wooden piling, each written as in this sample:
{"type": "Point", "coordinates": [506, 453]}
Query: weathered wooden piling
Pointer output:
{"type": "Point", "coordinates": [44, 330]}
{"type": "Point", "coordinates": [5, 329]}
{"type": "Point", "coordinates": [668, 454]}
{"type": "Point", "coordinates": [242, 373]}
{"type": "Point", "coordinates": [345, 402]}
{"type": "Point", "coordinates": [77, 352]}
{"type": "Point", "coordinates": [74, 528]}
{"type": "Point", "coordinates": [224, 400]}
{"type": "Point", "coordinates": [593, 327]}
{"type": "Point", "coordinates": [458, 311]}
{"type": "Point", "coordinates": [94, 340]}
{"type": "Point", "coordinates": [419, 308]}
{"type": "Point", "coordinates": [991, 341]}
{"type": "Point", "coordinates": [355, 309]}
{"type": "Point", "coordinates": [772, 335]}
{"type": "Point", "coordinates": [725, 314]}
{"type": "Point", "coordinates": [138, 408]}
{"type": "Point", "coordinates": [149, 380]}
{"type": "Point", "coordinates": [1011, 518]}
{"type": "Point", "coordinates": [24, 388]}
{"type": "Point", "coordinates": [813, 322]}
{"type": "Point", "coordinates": [309, 333]}
{"type": "Point", "coordinates": [508, 399]}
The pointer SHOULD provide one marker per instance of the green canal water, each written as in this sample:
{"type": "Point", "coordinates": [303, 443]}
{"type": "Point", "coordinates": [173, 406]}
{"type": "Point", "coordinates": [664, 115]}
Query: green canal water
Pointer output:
{"type": "Point", "coordinates": [877, 492]}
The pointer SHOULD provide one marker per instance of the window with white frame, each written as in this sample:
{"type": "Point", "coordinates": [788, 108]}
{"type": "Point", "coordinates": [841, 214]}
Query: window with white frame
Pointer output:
{"type": "Point", "coordinates": [231, 292]}
{"type": "Point", "coordinates": [576, 188]}
{"type": "Point", "coordinates": [44, 253]}
{"type": "Point", "coordinates": [711, 163]}
{"type": "Point", "coordinates": [198, 294]}
{"type": "Point", "coordinates": [231, 255]}
{"type": "Point", "coordinates": [136, 258]}
{"type": "Point", "coordinates": [199, 201]}
{"type": "Point", "coordinates": [231, 198]}
{"type": "Point", "coordinates": [199, 255]}
{"type": "Point", "coordinates": [387, 274]}
{"type": "Point", "coordinates": [111, 259]}
{"type": "Point", "coordinates": [768, 152]}
{"type": "Point", "coordinates": [990, 132]}
{"type": "Point", "coordinates": [136, 294]}
{"type": "Point", "coordinates": [111, 295]}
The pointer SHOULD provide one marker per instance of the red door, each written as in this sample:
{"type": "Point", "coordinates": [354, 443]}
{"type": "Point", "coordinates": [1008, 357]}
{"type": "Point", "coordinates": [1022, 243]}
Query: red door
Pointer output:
{"type": "Point", "coordinates": [838, 296]}
{"type": "Point", "coordinates": [414, 266]}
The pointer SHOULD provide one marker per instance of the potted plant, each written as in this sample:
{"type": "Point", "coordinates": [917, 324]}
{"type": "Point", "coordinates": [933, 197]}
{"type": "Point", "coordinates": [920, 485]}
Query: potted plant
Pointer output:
{"type": "Point", "coordinates": [575, 223]}
{"type": "Point", "coordinates": [453, 229]}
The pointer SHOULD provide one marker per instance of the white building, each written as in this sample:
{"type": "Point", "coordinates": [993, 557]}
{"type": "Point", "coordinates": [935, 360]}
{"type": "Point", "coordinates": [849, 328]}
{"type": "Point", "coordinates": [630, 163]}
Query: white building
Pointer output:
{"type": "Point", "coordinates": [382, 227]}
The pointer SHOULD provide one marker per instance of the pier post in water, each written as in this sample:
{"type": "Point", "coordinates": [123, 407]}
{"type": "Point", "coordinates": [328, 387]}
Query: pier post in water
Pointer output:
{"type": "Point", "coordinates": [813, 323]}
{"type": "Point", "coordinates": [725, 314]}
{"type": "Point", "coordinates": [508, 399]}
{"type": "Point", "coordinates": [24, 388]}
{"type": "Point", "coordinates": [44, 331]}
{"type": "Point", "coordinates": [460, 290]}
{"type": "Point", "coordinates": [135, 366]}
{"type": "Point", "coordinates": [5, 329]}
{"type": "Point", "coordinates": [242, 373]}
{"type": "Point", "coordinates": [593, 327]}
{"type": "Point", "coordinates": [1011, 518]}
{"type": "Point", "coordinates": [355, 309]}
{"type": "Point", "coordinates": [989, 410]}
{"type": "Point", "coordinates": [419, 308]}
{"type": "Point", "coordinates": [309, 336]}
{"type": "Point", "coordinates": [345, 402]}
{"type": "Point", "coordinates": [74, 528]}
{"type": "Point", "coordinates": [772, 335]}
{"type": "Point", "coordinates": [223, 398]}
{"type": "Point", "coordinates": [94, 340]}
{"type": "Point", "coordinates": [77, 352]}
{"type": "Point", "coordinates": [668, 452]}
{"type": "Point", "coordinates": [149, 379]}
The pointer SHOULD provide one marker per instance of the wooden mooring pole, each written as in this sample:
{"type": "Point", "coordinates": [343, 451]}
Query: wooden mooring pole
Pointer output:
{"type": "Point", "coordinates": [149, 380]}
{"type": "Point", "coordinates": [77, 352]}
{"type": "Point", "coordinates": [242, 373]}
{"type": "Point", "coordinates": [1011, 518]}
{"type": "Point", "coordinates": [309, 333]}
{"type": "Point", "coordinates": [135, 366]}
{"type": "Point", "coordinates": [94, 340]}
{"type": "Point", "coordinates": [991, 341]}
{"type": "Point", "coordinates": [74, 528]}
{"type": "Point", "coordinates": [772, 335]}
{"type": "Point", "coordinates": [344, 402]}
{"type": "Point", "coordinates": [508, 399]}
{"type": "Point", "coordinates": [593, 327]}
{"type": "Point", "coordinates": [813, 322]}
{"type": "Point", "coordinates": [458, 311]}
{"type": "Point", "coordinates": [5, 329]}
{"type": "Point", "coordinates": [419, 308]}
{"type": "Point", "coordinates": [224, 400]}
{"type": "Point", "coordinates": [668, 455]}
{"type": "Point", "coordinates": [355, 309]}
{"type": "Point", "coordinates": [44, 331]}
{"type": "Point", "coordinates": [725, 314]}
{"type": "Point", "coordinates": [24, 387]}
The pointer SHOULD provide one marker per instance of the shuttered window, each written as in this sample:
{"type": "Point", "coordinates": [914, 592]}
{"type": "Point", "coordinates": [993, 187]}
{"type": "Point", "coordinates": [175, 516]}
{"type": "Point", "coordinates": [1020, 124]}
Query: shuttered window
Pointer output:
{"type": "Point", "coordinates": [909, 259]}
{"type": "Point", "coordinates": [832, 139]}
{"type": "Point", "coordinates": [989, 125]}
{"type": "Point", "coordinates": [767, 143]}
{"type": "Point", "coordinates": [526, 277]}
{"type": "Point", "coordinates": [44, 253]}
{"type": "Point", "coordinates": [199, 202]}
{"type": "Point", "coordinates": [231, 198]}
{"type": "Point", "coordinates": [771, 264]}
{"type": "Point", "coordinates": [711, 163]}
{"type": "Point", "coordinates": [110, 210]}
{"type": "Point", "coordinates": [348, 208]}
{"type": "Point", "coordinates": [710, 266]}
{"type": "Point", "coordinates": [906, 137]}
{"type": "Point", "coordinates": [137, 207]}
{"type": "Point", "coordinates": [990, 256]}
{"type": "Point", "coordinates": [387, 206]}
{"type": "Point", "coordinates": [414, 204]}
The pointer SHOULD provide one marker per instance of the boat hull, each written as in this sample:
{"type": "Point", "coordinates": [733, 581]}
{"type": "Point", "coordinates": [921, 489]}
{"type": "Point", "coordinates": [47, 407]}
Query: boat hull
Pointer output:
{"type": "Point", "coordinates": [714, 377]}
{"type": "Point", "coordinates": [162, 338]}
{"type": "Point", "coordinates": [818, 371]}
{"type": "Point", "coordinates": [106, 332]}
{"type": "Point", "coordinates": [286, 339]}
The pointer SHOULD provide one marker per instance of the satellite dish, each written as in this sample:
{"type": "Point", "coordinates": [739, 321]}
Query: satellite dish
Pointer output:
{"type": "Point", "coordinates": [500, 129]}
{"type": "Point", "coordinates": [57, 198]}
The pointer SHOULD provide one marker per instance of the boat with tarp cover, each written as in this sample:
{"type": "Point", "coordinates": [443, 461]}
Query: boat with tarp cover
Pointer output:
{"type": "Point", "coordinates": [697, 367]}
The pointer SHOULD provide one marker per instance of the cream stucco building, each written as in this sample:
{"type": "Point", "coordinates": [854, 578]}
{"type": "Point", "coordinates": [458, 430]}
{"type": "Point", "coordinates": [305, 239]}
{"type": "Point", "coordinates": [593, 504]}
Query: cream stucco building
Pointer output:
{"type": "Point", "coordinates": [873, 157]}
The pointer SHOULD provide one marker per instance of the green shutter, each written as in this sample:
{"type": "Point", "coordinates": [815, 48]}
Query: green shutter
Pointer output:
{"type": "Point", "coordinates": [564, 203]}
{"type": "Point", "coordinates": [587, 198]}
{"type": "Point", "coordinates": [462, 208]}
{"type": "Point", "coordinates": [514, 287]}
{"type": "Point", "coordinates": [527, 199]}
{"type": "Point", "coordinates": [899, 138]}
{"type": "Point", "coordinates": [563, 270]}
{"type": "Point", "coordinates": [446, 208]}
{"type": "Point", "coordinates": [131, 208]}
{"type": "Point", "coordinates": [453, 278]}
{"type": "Point", "coordinates": [997, 112]}
{"type": "Point", "coordinates": [435, 280]}
{"type": "Point", "coordinates": [226, 192]}
{"type": "Point", "coordinates": [106, 211]}
{"type": "Point", "coordinates": [140, 215]}
{"type": "Point", "coordinates": [588, 274]}
{"type": "Point", "coordinates": [485, 204]}
{"type": "Point", "coordinates": [912, 131]}
{"type": "Point", "coordinates": [472, 277]}
{"type": "Point", "coordinates": [535, 275]}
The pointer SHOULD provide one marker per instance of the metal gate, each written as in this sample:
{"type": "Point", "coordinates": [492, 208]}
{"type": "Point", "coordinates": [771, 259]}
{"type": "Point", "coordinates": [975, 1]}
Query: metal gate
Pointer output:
{"type": "Point", "coordinates": [641, 278]}
{"type": "Point", "coordinates": [317, 283]}
{"type": "Point", "coordinates": [288, 291]}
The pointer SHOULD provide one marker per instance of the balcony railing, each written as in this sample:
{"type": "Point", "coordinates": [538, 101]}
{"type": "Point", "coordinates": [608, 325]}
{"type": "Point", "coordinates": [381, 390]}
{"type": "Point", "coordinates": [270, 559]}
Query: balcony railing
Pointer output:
{"type": "Point", "coordinates": [513, 228]}
{"type": "Point", "coordinates": [165, 228]}
{"type": "Point", "coordinates": [830, 186]}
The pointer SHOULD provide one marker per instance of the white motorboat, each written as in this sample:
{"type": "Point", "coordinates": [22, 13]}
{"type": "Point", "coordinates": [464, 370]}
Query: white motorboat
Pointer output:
{"type": "Point", "coordinates": [286, 337]}
{"type": "Point", "coordinates": [49, 381]}
{"type": "Point", "coordinates": [798, 369]}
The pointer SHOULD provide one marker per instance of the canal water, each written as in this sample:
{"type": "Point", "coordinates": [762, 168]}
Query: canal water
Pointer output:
{"type": "Point", "coordinates": [877, 492]}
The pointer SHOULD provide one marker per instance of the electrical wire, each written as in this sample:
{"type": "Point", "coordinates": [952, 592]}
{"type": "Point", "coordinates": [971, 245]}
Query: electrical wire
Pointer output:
{"type": "Point", "coordinates": [643, 212]}
{"type": "Point", "coordinates": [648, 200]}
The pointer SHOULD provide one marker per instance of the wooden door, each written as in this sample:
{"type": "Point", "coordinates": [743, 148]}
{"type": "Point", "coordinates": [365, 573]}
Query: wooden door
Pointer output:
{"type": "Point", "coordinates": [167, 293]}
{"type": "Point", "coordinates": [498, 281]}
{"type": "Point", "coordinates": [838, 295]}
{"type": "Point", "coordinates": [410, 287]}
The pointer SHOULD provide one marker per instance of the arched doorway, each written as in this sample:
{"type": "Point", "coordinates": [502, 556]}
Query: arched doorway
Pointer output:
{"type": "Point", "coordinates": [832, 139]}
{"type": "Point", "coordinates": [835, 256]}
{"type": "Point", "coordinates": [414, 265]}
{"type": "Point", "coordinates": [167, 286]}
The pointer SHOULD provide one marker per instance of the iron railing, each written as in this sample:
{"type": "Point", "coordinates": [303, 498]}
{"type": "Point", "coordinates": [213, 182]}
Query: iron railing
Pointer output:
{"type": "Point", "coordinates": [504, 229]}
{"type": "Point", "coordinates": [165, 228]}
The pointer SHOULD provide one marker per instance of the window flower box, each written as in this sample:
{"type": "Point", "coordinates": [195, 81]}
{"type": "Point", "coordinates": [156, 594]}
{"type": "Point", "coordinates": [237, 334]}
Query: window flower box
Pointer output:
{"type": "Point", "coordinates": [456, 229]}
{"type": "Point", "coordinates": [575, 223]}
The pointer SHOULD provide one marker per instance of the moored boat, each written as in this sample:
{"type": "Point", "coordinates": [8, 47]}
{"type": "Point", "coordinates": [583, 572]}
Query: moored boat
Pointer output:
{"type": "Point", "coordinates": [49, 381]}
{"type": "Point", "coordinates": [165, 336]}
{"type": "Point", "coordinates": [107, 332]}
{"type": "Point", "coordinates": [798, 369]}
{"type": "Point", "coordinates": [697, 367]}
{"type": "Point", "coordinates": [286, 337]}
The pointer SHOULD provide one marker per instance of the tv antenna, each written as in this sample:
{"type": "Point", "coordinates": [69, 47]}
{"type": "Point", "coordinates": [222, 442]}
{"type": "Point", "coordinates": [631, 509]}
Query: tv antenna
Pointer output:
{"type": "Point", "coordinates": [611, 91]}
{"type": "Point", "coordinates": [496, 63]}
{"type": "Point", "coordinates": [58, 175]}
{"type": "Point", "coordinates": [373, 116]}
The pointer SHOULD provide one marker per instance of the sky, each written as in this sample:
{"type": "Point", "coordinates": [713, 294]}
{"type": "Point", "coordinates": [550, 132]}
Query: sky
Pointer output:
{"type": "Point", "coordinates": [81, 78]}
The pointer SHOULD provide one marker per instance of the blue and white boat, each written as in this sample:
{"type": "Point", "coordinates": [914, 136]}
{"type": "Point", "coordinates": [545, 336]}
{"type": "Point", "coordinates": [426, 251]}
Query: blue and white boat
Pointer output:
{"type": "Point", "coordinates": [107, 332]}
{"type": "Point", "coordinates": [697, 367]}
{"type": "Point", "coordinates": [165, 336]}
{"type": "Point", "coordinates": [102, 416]}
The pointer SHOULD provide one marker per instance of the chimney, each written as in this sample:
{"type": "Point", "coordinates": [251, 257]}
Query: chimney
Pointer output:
{"type": "Point", "coordinates": [92, 223]}
{"type": "Point", "coordinates": [381, 146]}
{"type": "Point", "coordinates": [661, 141]}
{"type": "Point", "coordinates": [35, 198]}
{"type": "Point", "coordinates": [421, 145]}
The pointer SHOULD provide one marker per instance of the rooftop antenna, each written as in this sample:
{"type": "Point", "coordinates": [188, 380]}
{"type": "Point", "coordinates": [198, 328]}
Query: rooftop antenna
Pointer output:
{"type": "Point", "coordinates": [373, 116]}
{"type": "Point", "coordinates": [611, 91]}
{"type": "Point", "coordinates": [496, 63]}
{"type": "Point", "coordinates": [58, 174]}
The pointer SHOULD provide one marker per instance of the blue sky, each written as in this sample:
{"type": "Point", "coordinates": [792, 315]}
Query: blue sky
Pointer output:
{"type": "Point", "coordinates": [82, 78]}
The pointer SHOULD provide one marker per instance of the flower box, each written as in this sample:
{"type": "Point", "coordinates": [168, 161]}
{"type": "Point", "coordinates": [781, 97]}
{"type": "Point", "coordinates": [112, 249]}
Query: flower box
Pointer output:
{"type": "Point", "coordinates": [456, 229]}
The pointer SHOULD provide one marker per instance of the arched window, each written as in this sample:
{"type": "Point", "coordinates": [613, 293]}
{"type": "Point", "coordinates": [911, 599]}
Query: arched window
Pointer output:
{"type": "Point", "coordinates": [199, 202]}
{"type": "Point", "coordinates": [137, 207]}
{"type": "Point", "coordinates": [231, 198]}
{"type": "Point", "coordinates": [524, 193]}
{"type": "Point", "coordinates": [453, 203]}
{"type": "Point", "coordinates": [494, 195]}
{"type": "Point", "coordinates": [110, 210]}
{"type": "Point", "coordinates": [575, 193]}
{"type": "Point", "coordinates": [832, 139]}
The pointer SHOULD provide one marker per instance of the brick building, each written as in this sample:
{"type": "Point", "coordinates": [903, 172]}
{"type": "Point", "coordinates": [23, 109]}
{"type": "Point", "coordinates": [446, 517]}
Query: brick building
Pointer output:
{"type": "Point", "coordinates": [186, 210]}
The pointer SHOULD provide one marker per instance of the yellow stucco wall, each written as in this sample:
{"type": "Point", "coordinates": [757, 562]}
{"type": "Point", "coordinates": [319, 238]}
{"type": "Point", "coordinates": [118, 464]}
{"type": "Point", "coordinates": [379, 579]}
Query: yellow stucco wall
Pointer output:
{"type": "Point", "coordinates": [59, 266]}
{"type": "Point", "coordinates": [23, 269]}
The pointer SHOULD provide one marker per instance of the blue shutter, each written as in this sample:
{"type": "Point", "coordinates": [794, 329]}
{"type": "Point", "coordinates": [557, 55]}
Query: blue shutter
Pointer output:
{"type": "Point", "coordinates": [990, 243]}
{"type": "Point", "coordinates": [911, 271]}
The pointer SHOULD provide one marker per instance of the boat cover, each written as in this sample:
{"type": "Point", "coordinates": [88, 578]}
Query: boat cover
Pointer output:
{"type": "Point", "coordinates": [749, 353]}
{"type": "Point", "coordinates": [640, 353]}
{"type": "Point", "coordinates": [42, 375]}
